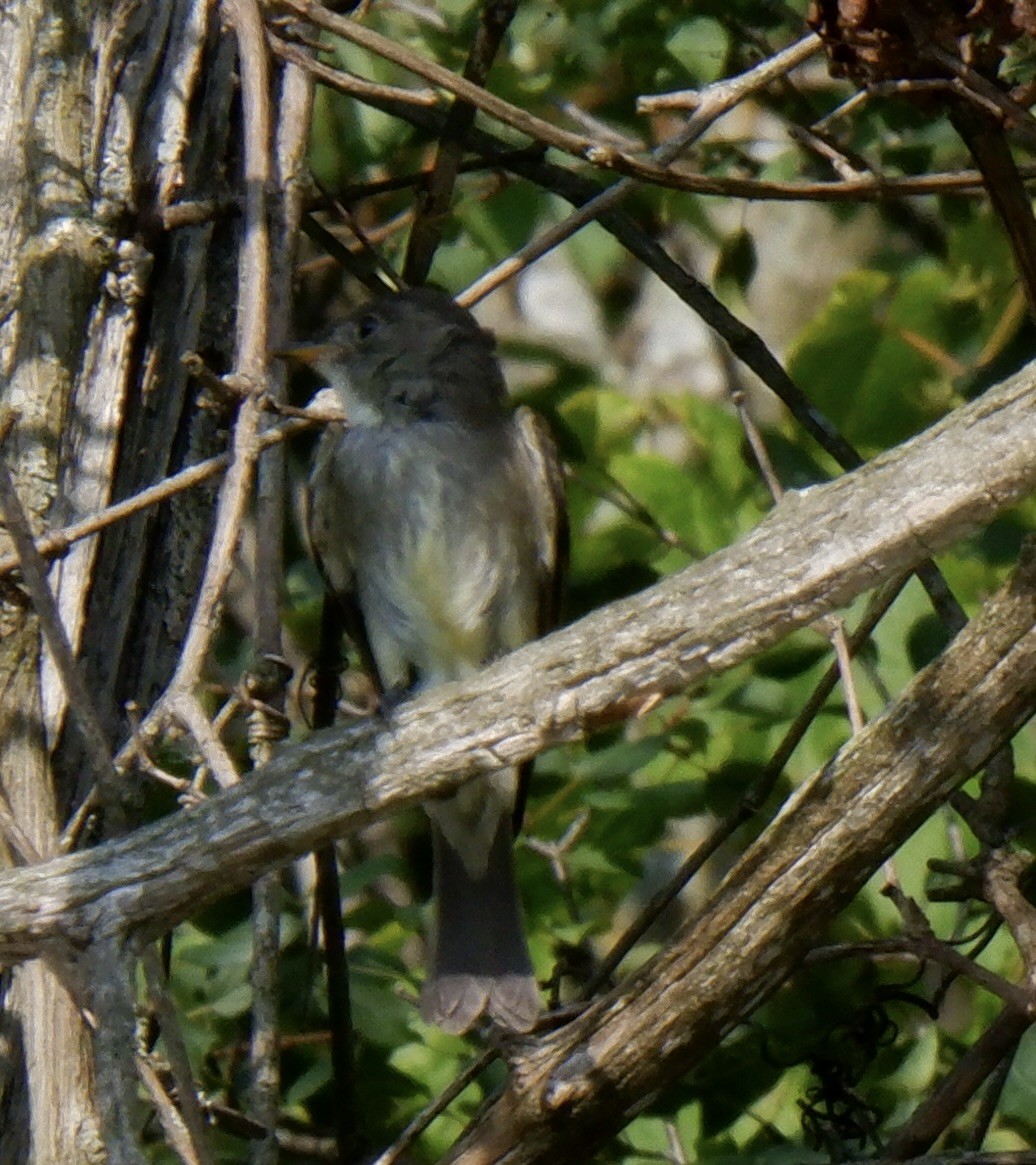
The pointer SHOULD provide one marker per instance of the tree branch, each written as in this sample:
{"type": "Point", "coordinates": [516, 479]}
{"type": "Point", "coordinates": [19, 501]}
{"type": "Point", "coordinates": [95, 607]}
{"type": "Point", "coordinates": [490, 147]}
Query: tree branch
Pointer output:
{"type": "Point", "coordinates": [817, 550]}
{"type": "Point", "coordinates": [578, 1086]}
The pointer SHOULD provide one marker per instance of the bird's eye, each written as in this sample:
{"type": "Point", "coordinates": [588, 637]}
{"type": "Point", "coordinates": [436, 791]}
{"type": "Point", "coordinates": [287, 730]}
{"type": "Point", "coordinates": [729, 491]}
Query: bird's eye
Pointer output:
{"type": "Point", "coordinates": [367, 325]}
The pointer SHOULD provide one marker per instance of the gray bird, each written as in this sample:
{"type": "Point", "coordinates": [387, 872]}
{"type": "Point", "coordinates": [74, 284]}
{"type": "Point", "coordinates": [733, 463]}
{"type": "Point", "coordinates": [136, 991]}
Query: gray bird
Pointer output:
{"type": "Point", "coordinates": [437, 517]}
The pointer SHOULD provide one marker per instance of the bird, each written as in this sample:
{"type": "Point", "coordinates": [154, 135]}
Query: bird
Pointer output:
{"type": "Point", "coordinates": [436, 514]}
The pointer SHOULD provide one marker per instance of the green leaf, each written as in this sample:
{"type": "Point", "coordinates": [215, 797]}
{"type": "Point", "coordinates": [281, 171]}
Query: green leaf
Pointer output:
{"type": "Point", "coordinates": [700, 46]}
{"type": "Point", "coordinates": [863, 359]}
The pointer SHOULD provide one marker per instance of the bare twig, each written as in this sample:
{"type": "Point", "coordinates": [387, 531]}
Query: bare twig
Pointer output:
{"type": "Point", "coordinates": [935, 1113]}
{"type": "Point", "coordinates": [819, 144]}
{"type": "Point", "coordinates": [34, 574]}
{"type": "Point", "coordinates": [16, 837]}
{"type": "Point", "coordinates": [173, 1125]}
{"type": "Point", "coordinates": [349, 1126]}
{"type": "Point", "coordinates": [434, 199]}
{"type": "Point", "coordinates": [984, 136]}
{"type": "Point", "coordinates": [57, 542]}
{"type": "Point", "coordinates": [835, 628]}
{"type": "Point", "coordinates": [424, 1118]}
{"type": "Point", "coordinates": [716, 100]}
{"type": "Point", "coordinates": [831, 625]}
{"type": "Point", "coordinates": [179, 1061]}
{"type": "Point", "coordinates": [390, 50]}
{"type": "Point", "coordinates": [1003, 874]}
{"type": "Point", "coordinates": [292, 1142]}
{"type": "Point", "coordinates": [756, 442]}
{"type": "Point", "coordinates": [557, 853]}
{"type": "Point", "coordinates": [348, 83]}
{"type": "Point", "coordinates": [1019, 119]}
{"type": "Point", "coordinates": [923, 946]}
{"type": "Point", "coordinates": [381, 274]}
{"type": "Point", "coordinates": [184, 706]}
{"type": "Point", "coordinates": [253, 325]}
{"type": "Point", "coordinates": [990, 1102]}
{"type": "Point", "coordinates": [721, 96]}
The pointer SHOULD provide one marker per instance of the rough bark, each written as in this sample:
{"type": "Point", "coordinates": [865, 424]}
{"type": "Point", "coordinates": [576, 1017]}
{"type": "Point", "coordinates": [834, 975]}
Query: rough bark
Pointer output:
{"type": "Point", "coordinates": [108, 113]}
{"type": "Point", "coordinates": [570, 1090]}
{"type": "Point", "coordinates": [578, 1087]}
{"type": "Point", "coordinates": [818, 549]}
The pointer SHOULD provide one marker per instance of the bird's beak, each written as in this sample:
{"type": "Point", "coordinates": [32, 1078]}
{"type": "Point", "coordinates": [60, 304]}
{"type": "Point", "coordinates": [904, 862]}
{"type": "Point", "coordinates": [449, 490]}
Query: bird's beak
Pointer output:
{"type": "Point", "coordinates": [308, 354]}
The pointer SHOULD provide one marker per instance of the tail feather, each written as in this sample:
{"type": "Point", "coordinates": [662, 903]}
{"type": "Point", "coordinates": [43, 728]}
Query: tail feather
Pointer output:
{"type": "Point", "coordinates": [480, 962]}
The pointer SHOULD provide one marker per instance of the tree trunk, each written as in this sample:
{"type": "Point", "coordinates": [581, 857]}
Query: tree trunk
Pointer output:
{"type": "Point", "coordinates": [108, 115]}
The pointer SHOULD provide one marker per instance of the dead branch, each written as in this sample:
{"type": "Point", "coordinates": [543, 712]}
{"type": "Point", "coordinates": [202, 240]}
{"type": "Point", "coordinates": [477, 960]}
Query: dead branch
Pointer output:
{"type": "Point", "coordinates": [817, 550]}
{"type": "Point", "coordinates": [576, 1087]}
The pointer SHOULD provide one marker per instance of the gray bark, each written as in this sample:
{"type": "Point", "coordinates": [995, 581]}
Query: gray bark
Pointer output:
{"type": "Point", "coordinates": [816, 551]}
{"type": "Point", "coordinates": [108, 114]}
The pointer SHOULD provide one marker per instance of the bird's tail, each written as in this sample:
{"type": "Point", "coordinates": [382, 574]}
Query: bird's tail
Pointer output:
{"type": "Point", "coordinates": [480, 962]}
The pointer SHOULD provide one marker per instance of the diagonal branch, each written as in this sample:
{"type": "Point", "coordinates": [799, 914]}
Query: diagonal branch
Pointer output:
{"type": "Point", "coordinates": [433, 200]}
{"type": "Point", "coordinates": [578, 1086]}
{"type": "Point", "coordinates": [817, 550]}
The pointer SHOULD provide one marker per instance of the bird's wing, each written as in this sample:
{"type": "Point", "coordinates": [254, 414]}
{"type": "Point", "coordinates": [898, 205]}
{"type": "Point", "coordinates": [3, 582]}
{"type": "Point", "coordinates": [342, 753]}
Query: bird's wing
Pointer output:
{"type": "Point", "coordinates": [551, 518]}
{"type": "Point", "coordinates": [551, 515]}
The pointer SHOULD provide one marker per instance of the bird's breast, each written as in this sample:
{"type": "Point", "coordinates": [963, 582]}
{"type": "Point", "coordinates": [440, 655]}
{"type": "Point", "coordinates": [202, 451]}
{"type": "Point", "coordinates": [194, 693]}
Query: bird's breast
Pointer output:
{"type": "Point", "coordinates": [444, 560]}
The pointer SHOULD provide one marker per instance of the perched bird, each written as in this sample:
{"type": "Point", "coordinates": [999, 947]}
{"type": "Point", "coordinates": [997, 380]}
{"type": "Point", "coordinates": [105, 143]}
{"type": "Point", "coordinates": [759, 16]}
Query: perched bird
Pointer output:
{"type": "Point", "coordinates": [437, 517]}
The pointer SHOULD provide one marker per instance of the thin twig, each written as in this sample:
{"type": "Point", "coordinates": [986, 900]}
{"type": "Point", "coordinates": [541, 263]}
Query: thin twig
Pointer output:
{"type": "Point", "coordinates": [390, 50]}
{"type": "Point", "coordinates": [1009, 112]}
{"type": "Point", "coordinates": [756, 442]}
{"type": "Point", "coordinates": [184, 706]}
{"type": "Point", "coordinates": [349, 1127]}
{"type": "Point", "coordinates": [819, 144]}
{"type": "Point", "coordinates": [722, 95]}
{"type": "Point", "coordinates": [292, 1142]}
{"type": "Point", "coordinates": [983, 1120]}
{"type": "Point", "coordinates": [557, 853]}
{"type": "Point", "coordinates": [173, 1125]}
{"type": "Point", "coordinates": [750, 803]}
{"type": "Point", "coordinates": [384, 275]}
{"type": "Point", "coordinates": [57, 542]}
{"type": "Point", "coordinates": [950, 1096]}
{"type": "Point", "coordinates": [716, 100]}
{"type": "Point", "coordinates": [434, 199]}
{"type": "Point", "coordinates": [923, 947]}
{"type": "Point", "coordinates": [424, 1118]}
{"type": "Point", "coordinates": [832, 626]}
{"type": "Point", "coordinates": [1004, 872]}
{"type": "Point", "coordinates": [176, 1052]}
{"type": "Point", "coordinates": [345, 82]}
{"type": "Point", "coordinates": [17, 839]}
{"type": "Point", "coordinates": [34, 575]}
{"type": "Point", "coordinates": [984, 136]}
{"type": "Point", "coordinates": [253, 325]}
{"type": "Point", "coordinates": [349, 1131]}
{"type": "Point", "coordinates": [843, 654]}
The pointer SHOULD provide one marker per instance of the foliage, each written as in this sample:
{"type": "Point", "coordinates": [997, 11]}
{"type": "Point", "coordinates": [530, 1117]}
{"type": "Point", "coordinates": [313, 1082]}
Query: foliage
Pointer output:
{"type": "Point", "coordinates": [925, 313]}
